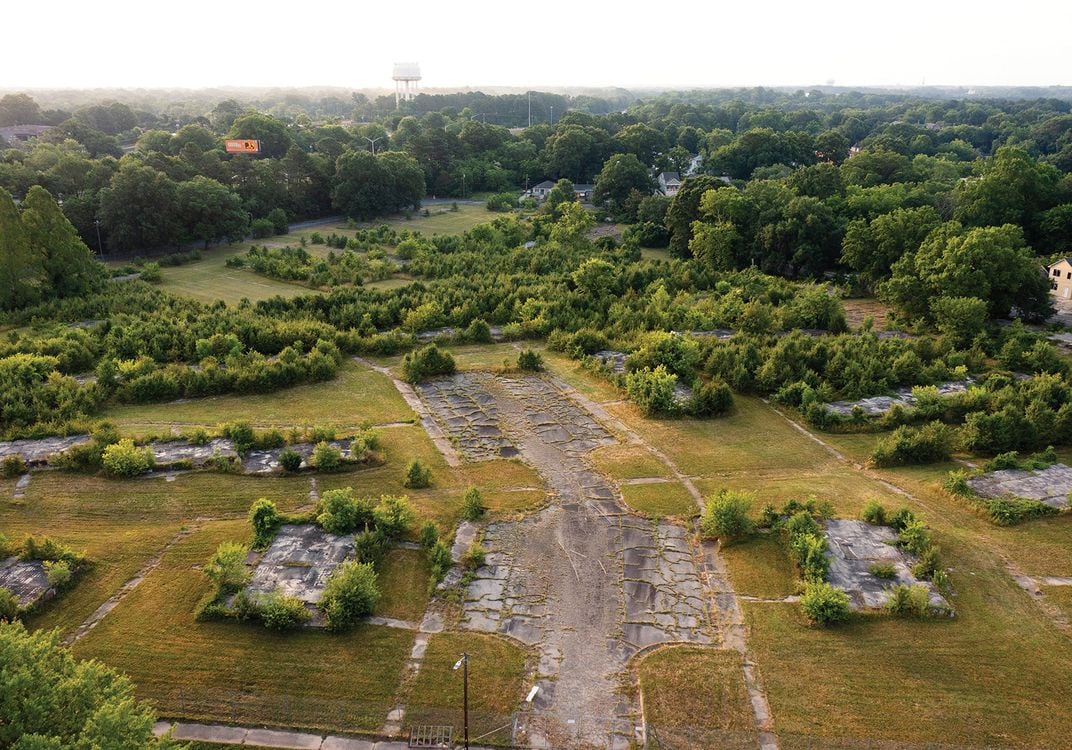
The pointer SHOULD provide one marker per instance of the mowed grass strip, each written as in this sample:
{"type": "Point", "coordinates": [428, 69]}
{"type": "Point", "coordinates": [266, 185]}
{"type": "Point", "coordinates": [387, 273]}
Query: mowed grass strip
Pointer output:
{"type": "Point", "coordinates": [357, 396]}
{"type": "Point", "coordinates": [753, 436]}
{"type": "Point", "coordinates": [695, 698]}
{"type": "Point", "coordinates": [998, 674]}
{"type": "Point", "coordinates": [496, 685]}
{"type": "Point", "coordinates": [760, 566]}
{"type": "Point", "coordinates": [628, 462]}
{"type": "Point", "coordinates": [660, 499]}
{"type": "Point", "coordinates": [243, 673]}
{"type": "Point", "coordinates": [403, 583]}
{"type": "Point", "coordinates": [1061, 598]}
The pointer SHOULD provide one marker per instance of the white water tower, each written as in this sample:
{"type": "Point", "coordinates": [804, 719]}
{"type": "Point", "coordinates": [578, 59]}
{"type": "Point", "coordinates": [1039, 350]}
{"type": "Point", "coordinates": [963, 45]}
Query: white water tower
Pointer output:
{"type": "Point", "coordinates": [404, 75]}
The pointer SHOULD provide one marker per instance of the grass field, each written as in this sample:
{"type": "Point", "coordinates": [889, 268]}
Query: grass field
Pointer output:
{"type": "Point", "coordinates": [403, 585]}
{"type": "Point", "coordinates": [226, 671]}
{"type": "Point", "coordinates": [356, 396]}
{"type": "Point", "coordinates": [659, 500]}
{"type": "Point", "coordinates": [210, 279]}
{"type": "Point", "coordinates": [695, 697]}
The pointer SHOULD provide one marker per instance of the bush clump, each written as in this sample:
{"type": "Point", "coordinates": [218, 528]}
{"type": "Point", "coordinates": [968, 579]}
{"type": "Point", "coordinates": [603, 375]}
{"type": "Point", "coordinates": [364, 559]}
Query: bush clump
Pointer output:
{"type": "Point", "coordinates": [711, 399]}
{"type": "Point", "coordinates": [427, 362]}
{"type": "Point", "coordinates": [824, 604]}
{"type": "Point", "coordinates": [418, 476]}
{"type": "Point", "coordinates": [265, 519]}
{"type": "Point", "coordinates": [12, 466]}
{"type": "Point", "coordinates": [350, 594]}
{"type": "Point", "coordinates": [473, 508]}
{"type": "Point", "coordinates": [529, 361]}
{"type": "Point", "coordinates": [874, 513]}
{"type": "Point", "coordinates": [9, 605]}
{"type": "Point", "coordinates": [326, 457]}
{"type": "Point", "coordinates": [281, 612]}
{"type": "Point", "coordinates": [930, 443]}
{"type": "Point", "coordinates": [725, 516]}
{"type": "Point", "coordinates": [914, 600]}
{"type": "Point", "coordinates": [124, 459]}
{"type": "Point", "coordinates": [653, 390]}
{"type": "Point", "coordinates": [290, 460]}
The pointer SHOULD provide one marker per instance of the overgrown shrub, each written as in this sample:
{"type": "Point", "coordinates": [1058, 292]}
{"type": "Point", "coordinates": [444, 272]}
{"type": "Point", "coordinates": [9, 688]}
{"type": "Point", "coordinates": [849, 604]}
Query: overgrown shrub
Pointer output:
{"type": "Point", "coordinates": [473, 508]}
{"type": "Point", "coordinates": [124, 459]}
{"type": "Point", "coordinates": [439, 561]}
{"type": "Point", "coordinates": [725, 516]}
{"type": "Point", "coordinates": [342, 513]}
{"type": "Point", "coordinates": [957, 484]}
{"type": "Point", "coordinates": [350, 594]}
{"type": "Point", "coordinates": [652, 390]}
{"type": "Point", "coordinates": [710, 399]}
{"type": "Point", "coordinates": [529, 361]}
{"type": "Point", "coordinates": [474, 556]}
{"type": "Point", "coordinates": [13, 466]}
{"type": "Point", "coordinates": [1009, 511]}
{"type": "Point", "coordinates": [281, 612]}
{"type": "Point", "coordinates": [290, 460]}
{"type": "Point", "coordinates": [429, 534]}
{"type": "Point", "coordinates": [393, 515]}
{"type": "Point", "coordinates": [874, 513]}
{"type": "Point", "coordinates": [265, 520]}
{"type": "Point", "coordinates": [227, 567]}
{"type": "Point", "coordinates": [823, 604]}
{"type": "Point", "coordinates": [930, 443]}
{"type": "Point", "coordinates": [418, 476]}
{"type": "Point", "coordinates": [58, 573]}
{"type": "Point", "coordinates": [914, 538]}
{"type": "Point", "coordinates": [883, 570]}
{"type": "Point", "coordinates": [326, 457]}
{"type": "Point", "coordinates": [9, 605]}
{"type": "Point", "coordinates": [914, 600]}
{"type": "Point", "coordinates": [427, 362]}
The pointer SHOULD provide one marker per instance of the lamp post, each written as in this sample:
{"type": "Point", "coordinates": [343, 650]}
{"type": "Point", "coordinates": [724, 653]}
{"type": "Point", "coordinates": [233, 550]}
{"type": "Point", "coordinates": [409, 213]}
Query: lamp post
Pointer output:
{"type": "Point", "coordinates": [100, 247]}
{"type": "Point", "coordinates": [372, 141]}
{"type": "Point", "coordinates": [464, 664]}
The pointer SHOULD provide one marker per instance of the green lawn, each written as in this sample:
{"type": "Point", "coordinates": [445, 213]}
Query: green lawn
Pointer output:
{"type": "Point", "coordinates": [659, 500]}
{"type": "Point", "coordinates": [243, 673]}
{"type": "Point", "coordinates": [355, 397]}
{"type": "Point", "coordinates": [695, 698]}
{"type": "Point", "coordinates": [403, 583]}
{"type": "Point", "coordinates": [759, 566]}
{"type": "Point", "coordinates": [628, 462]}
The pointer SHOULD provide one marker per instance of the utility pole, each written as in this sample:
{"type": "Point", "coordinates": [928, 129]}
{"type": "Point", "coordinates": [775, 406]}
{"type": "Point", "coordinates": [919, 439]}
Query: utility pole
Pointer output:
{"type": "Point", "coordinates": [464, 664]}
{"type": "Point", "coordinates": [530, 109]}
{"type": "Point", "coordinates": [552, 114]}
{"type": "Point", "coordinates": [100, 247]}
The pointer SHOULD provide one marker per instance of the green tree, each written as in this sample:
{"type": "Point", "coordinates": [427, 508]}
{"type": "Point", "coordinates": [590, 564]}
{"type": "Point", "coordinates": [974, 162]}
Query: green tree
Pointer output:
{"type": "Point", "coordinates": [560, 195]}
{"type": "Point", "coordinates": [1013, 189]}
{"type": "Point", "coordinates": [725, 516]}
{"type": "Point", "coordinates": [360, 185]}
{"type": "Point", "coordinates": [50, 700]}
{"type": "Point", "coordinates": [273, 134]}
{"type": "Point", "coordinates": [988, 263]}
{"type": "Point", "coordinates": [21, 269]}
{"type": "Point", "coordinates": [621, 175]}
{"type": "Point", "coordinates": [19, 109]}
{"type": "Point", "coordinates": [68, 265]}
{"type": "Point", "coordinates": [139, 209]}
{"type": "Point", "coordinates": [405, 180]}
{"type": "Point", "coordinates": [209, 211]}
{"type": "Point", "coordinates": [873, 247]}
{"type": "Point", "coordinates": [684, 210]}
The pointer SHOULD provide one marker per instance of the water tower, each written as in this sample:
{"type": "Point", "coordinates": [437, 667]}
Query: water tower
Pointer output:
{"type": "Point", "coordinates": [404, 75]}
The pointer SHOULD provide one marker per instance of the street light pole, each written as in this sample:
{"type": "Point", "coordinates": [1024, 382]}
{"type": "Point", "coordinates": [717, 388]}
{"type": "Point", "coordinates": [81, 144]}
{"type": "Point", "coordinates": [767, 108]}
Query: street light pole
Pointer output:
{"type": "Point", "coordinates": [464, 664]}
{"type": "Point", "coordinates": [100, 247]}
{"type": "Point", "coordinates": [373, 142]}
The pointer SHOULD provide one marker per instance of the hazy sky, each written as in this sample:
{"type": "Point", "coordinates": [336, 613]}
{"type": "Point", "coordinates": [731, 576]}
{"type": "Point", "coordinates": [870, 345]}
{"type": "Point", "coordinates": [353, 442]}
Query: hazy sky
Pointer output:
{"type": "Point", "coordinates": [194, 43]}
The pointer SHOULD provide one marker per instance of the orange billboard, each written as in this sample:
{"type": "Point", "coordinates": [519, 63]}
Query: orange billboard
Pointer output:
{"type": "Point", "coordinates": [243, 147]}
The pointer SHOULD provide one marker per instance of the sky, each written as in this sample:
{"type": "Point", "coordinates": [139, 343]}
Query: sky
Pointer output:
{"type": "Point", "coordinates": [629, 43]}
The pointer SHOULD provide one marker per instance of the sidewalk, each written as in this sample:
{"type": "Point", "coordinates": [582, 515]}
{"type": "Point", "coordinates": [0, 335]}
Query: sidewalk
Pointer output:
{"type": "Point", "coordinates": [287, 740]}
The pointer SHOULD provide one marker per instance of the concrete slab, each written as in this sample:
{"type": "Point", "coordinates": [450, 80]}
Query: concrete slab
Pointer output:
{"type": "Point", "coordinates": [1051, 485]}
{"type": "Point", "coordinates": [299, 562]}
{"type": "Point", "coordinates": [26, 579]}
{"type": "Point", "coordinates": [281, 739]}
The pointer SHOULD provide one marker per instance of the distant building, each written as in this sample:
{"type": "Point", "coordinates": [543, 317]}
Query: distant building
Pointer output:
{"type": "Point", "coordinates": [540, 191]}
{"type": "Point", "coordinates": [1060, 274]}
{"type": "Point", "coordinates": [583, 193]}
{"type": "Point", "coordinates": [669, 183]}
{"type": "Point", "coordinates": [13, 135]}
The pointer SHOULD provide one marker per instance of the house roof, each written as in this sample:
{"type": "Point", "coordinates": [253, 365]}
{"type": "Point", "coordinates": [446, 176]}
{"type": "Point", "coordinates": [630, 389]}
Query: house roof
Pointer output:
{"type": "Point", "coordinates": [1060, 260]}
{"type": "Point", "coordinates": [544, 184]}
{"type": "Point", "coordinates": [670, 177]}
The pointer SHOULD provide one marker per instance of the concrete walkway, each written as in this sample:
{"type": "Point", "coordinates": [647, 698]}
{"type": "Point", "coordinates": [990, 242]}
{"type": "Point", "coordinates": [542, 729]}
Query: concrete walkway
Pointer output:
{"type": "Point", "coordinates": [287, 740]}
